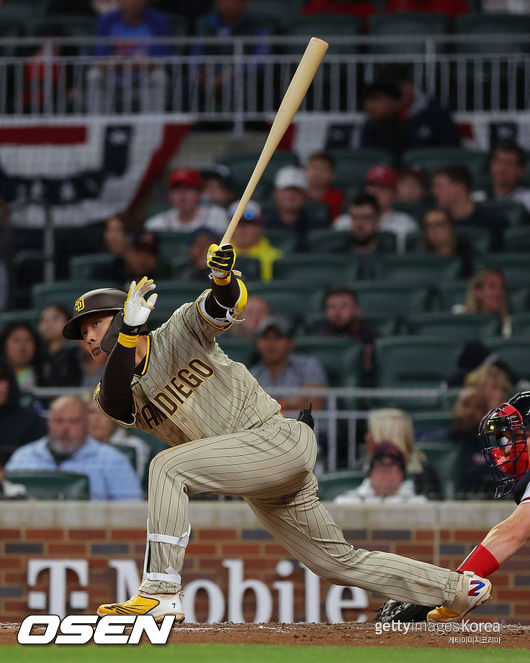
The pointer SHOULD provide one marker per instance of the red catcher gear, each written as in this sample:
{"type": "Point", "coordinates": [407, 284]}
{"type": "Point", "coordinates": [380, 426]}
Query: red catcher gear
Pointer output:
{"type": "Point", "coordinates": [504, 432]}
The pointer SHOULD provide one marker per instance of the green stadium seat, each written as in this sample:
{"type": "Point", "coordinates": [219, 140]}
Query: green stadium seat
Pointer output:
{"type": "Point", "coordinates": [520, 324]}
{"type": "Point", "coordinates": [31, 317]}
{"type": "Point", "coordinates": [129, 452]}
{"type": "Point", "coordinates": [516, 266]}
{"type": "Point", "coordinates": [492, 24]}
{"type": "Point", "coordinates": [452, 293]}
{"type": "Point", "coordinates": [62, 292]}
{"type": "Point", "coordinates": [460, 326]}
{"type": "Point", "coordinates": [172, 244]}
{"type": "Point", "coordinates": [238, 349]}
{"type": "Point", "coordinates": [415, 210]}
{"type": "Point", "coordinates": [478, 238]}
{"type": "Point", "coordinates": [249, 267]}
{"type": "Point", "coordinates": [335, 483]}
{"type": "Point", "coordinates": [383, 325]}
{"type": "Point", "coordinates": [517, 239]}
{"type": "Point", "coordinates": [82, 266]}
{"type": "Point", "coordinates": [279, 10]}
{"type": "Point", "coordinates": [328, 241]}
{"type": "Point", "coordinates": [449, 397]}
{"type": "Point", "coordinates": [514, 212]}
{"type": "Point", "coordinates": [172, 294]}
{"type": "Point", "coordinates": [431, 158]}
{"type": "Point", "coordinates": [419, 268]}
{"type": "Point", "coordinates": [519, 299]}
{"type": "Point", "coordinates": [514, 351]}
{"type": "Point", "coordinates": [405, 24]}
{"type": "Point", "coordinates": [391, 298]}
{"type": "Point", "coordinates": [351, 165]}
{"type": "Point", "coordinates": [430, 420]}
{"type": "Point", "coordinates": [282, 239]}
{"type": "Point", "coordinates": [328, 27]}
{"type": "Point", "coordinates": [446, 459]}
{"type": "Point", "coordinates": [10, 28]}
{"type": "Point", "coordinates": [22, 9]}
{"type": "Point", "coordinates": [342, 358]}
{"type": "Point", "coordinates": [331, 269]}
{"type": "Point", "coordinates": [317, 214]}
{"type": "Point", "coordinates": [293, 299]}
{"type": "Point", "coordinates": [242, 164]}
{"type": "Point", "coordinates": [43, 485]}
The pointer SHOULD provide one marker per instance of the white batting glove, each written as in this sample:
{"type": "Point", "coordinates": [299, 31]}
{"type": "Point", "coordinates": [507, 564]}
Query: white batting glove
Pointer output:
{"type": "Point", "coordinates": [137, 309]}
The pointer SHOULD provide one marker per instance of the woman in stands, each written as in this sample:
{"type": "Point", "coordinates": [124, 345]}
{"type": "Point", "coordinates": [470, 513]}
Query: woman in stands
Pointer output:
{"type": "Point", "coordinates": [20, 345]}
{"type": "Point", "coordinates": [60, 364]}
{"type": "Point", "coordinates": [439, 237]}
{"type": "Point", "coordinates": [487, 294]}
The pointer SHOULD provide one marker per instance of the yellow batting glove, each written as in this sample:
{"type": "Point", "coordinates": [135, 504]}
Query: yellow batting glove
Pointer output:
{"type": "Point", "coordinates": [221, 260]}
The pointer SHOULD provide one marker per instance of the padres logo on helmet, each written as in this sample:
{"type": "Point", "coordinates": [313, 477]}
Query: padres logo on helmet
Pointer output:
{"type": "Point", "coordinates": [79, 304]}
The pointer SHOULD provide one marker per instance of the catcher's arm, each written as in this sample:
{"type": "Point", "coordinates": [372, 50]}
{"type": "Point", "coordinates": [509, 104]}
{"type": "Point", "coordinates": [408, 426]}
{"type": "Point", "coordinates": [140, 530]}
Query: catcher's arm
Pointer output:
{"type": "Point", "coordinates": [114, 395]}
{"type": "Point", "coordinates": [228, 296]}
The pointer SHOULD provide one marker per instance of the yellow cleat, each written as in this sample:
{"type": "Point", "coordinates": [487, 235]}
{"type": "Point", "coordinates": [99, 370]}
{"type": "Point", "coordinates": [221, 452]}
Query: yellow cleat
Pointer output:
{"type": "Point", "coordinates": [157, 605]}
{"type": "Point", "coordinates": [473, 591]}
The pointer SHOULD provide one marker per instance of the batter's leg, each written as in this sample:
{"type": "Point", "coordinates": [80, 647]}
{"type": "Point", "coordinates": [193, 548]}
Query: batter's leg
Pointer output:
{"type": "Point", "coordinates": [305, 528]}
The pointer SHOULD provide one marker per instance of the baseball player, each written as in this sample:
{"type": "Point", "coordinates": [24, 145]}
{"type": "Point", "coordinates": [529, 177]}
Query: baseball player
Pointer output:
{"type": "Point", "coordinates": [226, 435]}
{"type": "Point", "coordinates": [505, 433]}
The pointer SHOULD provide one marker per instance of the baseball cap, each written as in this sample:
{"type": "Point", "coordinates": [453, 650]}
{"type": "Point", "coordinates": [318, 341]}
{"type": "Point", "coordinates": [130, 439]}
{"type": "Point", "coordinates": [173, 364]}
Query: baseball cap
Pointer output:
{"type": "Point", "coordinates": [382, 175]}
{"type": "Point", "coordinates": [186, 177]}
{"type": "Point", "coordinates": [144, 240]}
{"type": "Point", "coordinates": [251, 213]}
{"type": "Point", "coordinates": [290, 176]}
{"type": "Point", "coordinates": [276, 322]}
{"type": "Point", "coordinates": [387, 450]}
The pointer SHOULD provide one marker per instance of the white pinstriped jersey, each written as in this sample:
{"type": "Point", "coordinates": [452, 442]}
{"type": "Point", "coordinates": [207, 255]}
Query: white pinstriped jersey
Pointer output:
{"type": "Point", "coordinates": [190, 389]}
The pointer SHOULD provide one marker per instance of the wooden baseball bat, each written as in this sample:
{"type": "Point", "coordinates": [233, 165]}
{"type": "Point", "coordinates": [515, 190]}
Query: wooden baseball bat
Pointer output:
{"type": "Point", "coordinates": [304, 74]}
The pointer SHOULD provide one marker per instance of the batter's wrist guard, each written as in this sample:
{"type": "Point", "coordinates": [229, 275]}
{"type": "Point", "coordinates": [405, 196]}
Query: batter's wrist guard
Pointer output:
{"type": "Point", "coordinates": [232, 308]}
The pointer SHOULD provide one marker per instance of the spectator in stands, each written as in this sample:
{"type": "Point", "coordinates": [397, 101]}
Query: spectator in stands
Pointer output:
{"type": "Point", "coordinates": [438, 236]}
{"type": "Point", "coordinates": [381, 183]}
{"type": "Point", "coordinates": [507, 170]}
{"type": "Point", "coordinates": [188, 212]}
{"type": "Point", "coordinates": [18, 424]}
{"type": "Point", "coordinates": [394, 426]}
{"type": "Point", "coordinates": [59, 363]}
{"type": "Point", "coordinates": [288, 212]}
{"type": "Point", "coordinates": [493, 382]}
{"type": "Point", "coordinates": [279, 366]}
{"type": "Point", "coordinates": [69, 448]}
{"type": "Point", "coordinates": [256, 311]}
{"type": "Point", "coordinates": [19, 344]}
{"type": "Point", "coordinates": [426, 123]}
{"type": "Point", "coordinates": [475, 354]}
{"type": "Point", "coordinates": [115, 235]}
{"type": "Point", "coordinates": [320, 173]}
{"type": "Point", "coordinates": [199, 242]}
{"type": "Point", "coordinates": [134, 19]}
{"type": "Point", "coordinates": [362, 221]}
{"type": "Point", "coordinates": [383, 129]}
{"type": "Point", "coordinates": [229, 19]}
{"type": "Point", "coordinates": [103, 429]}
{"type": "Point", "coordinates": [451, 188]}
{"type": "Point", "coordinates": [219, 187]}
{"type": "Point", "coordinates": [141, 256]}
{"type": "Point", "coordinates": [450, 7]}
{"type": "Point", "coordinates": [105, 6]}
{"type": "Point", "coordinates": [412, 185]}
{"type": "Point", "coordinates": [486, 293]}
{"type": "Point", "coordinates": [386, 481]}
{"type": "Point", "coordinates": [249, 241]}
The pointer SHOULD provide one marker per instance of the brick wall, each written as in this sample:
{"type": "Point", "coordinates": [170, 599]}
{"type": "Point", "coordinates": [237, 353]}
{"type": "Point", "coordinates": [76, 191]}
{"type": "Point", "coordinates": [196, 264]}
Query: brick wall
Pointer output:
{"type": "Point", "coordinates": [210, 545]}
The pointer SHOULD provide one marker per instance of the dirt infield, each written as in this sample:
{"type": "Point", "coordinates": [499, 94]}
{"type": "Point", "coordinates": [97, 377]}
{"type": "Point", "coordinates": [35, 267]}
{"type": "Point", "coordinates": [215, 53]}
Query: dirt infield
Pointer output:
{"type": "Point", "coordinates": [472, 635]}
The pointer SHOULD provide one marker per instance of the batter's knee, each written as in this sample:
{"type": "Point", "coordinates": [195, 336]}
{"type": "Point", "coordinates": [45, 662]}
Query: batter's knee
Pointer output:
{"type": "Point", "coordinates": [165, 463]}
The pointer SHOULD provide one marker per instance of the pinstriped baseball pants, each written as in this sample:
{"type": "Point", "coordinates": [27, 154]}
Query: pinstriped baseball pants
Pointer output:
{"type": "Point", "coordinates": [271, 468]}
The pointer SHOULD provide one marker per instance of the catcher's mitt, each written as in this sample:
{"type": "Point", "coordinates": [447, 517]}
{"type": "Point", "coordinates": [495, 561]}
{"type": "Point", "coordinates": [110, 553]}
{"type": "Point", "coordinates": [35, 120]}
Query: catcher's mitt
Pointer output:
{"type": "Point", "coordinates": [403, 612]}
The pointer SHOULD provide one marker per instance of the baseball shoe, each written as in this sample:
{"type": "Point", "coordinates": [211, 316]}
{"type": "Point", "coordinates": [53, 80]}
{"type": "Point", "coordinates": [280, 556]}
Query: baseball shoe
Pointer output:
{"type": "Point", "coordinates": [157, 605]}
{"type": "Point", "coordinates": [474, 592]}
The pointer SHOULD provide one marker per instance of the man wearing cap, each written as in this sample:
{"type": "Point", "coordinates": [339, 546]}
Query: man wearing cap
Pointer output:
{"type": "Point", "coordinates": [386, 481]}
{"type": "Point", "coordinates": [280, 367]}
{"type": "Point", "coordinates": [188, 212]}
{"type": "Point", "coordinates": [381, 182]}
{"type": "Point", "coordinates": [249, 241]}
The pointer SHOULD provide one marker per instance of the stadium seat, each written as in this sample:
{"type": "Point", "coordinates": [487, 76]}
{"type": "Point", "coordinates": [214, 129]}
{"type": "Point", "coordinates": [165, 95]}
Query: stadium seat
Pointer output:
{"type": "Point", "coordinates": [279, 10]}
{"type": "Point", "coordinates": [519, 298]}
{"type": "Point", "coordinates": [445, 458]}
{"type": "Point", "coordinates": [415, 210]}
{"type": "Point", "coordinates": [383, 325]}
{"type": "Point", "coordinates": [172, 294]}
{"type": "Point", "coordinates": [520, 324]}
{"type": "Point", "coordinates": [282, 239]}
{"type": "Point", "coordinates": [241, 165]}
{"type": "Point", "coordinates": [341, 357]}
{"type": "Point", "coordinates": [451, 293]}
{"type": "Point", "coordinates": [326, 26]}
{"type": "Point", "coordinates": [238, 349]}
{"type": "Point", "coordinates": [514, 212]}
{"type": "Point", "coordinates": [129, 452]}
{"type": "Point", "coordinates": [430, 420]}
{"type": "Point", "coordinates": [331, 269]}
{"type": "Point", "coordinates": [405, 24]}
{"type": "Point", "coordinates": [333, 484]}
{"type": "Point", "coordinates": [293, 299]}
{"type": "Point", "coordinates": [172, 244]}
{"type": "Point", "coordinates": [62, 292]}
{"type": "Point", "coordinates": [516, 266]}
{"type": "Point", "coordinates": [431, 158]}
{"type": "Point", "coordinates": [30, 317]}
{"type": "Point", "coordinates": [10, 29]}
{"type": "Point", "coordinates": [464, 326]}
{"type": "Point", "coordinates": [81, 266]}
{"type": "Point", "coordinates": [328, 241]}
{"type": "Point", "coordinates": [43, 485]}
{"type": "Point", "coordinates": [249, 267]}
{"type": "Point", "coordinates": [517, 239]}
{"type": "Point", "coordinates": [22, 9]}
{"type": "Point", "coordinates": [492, 24]}
{"type": "Point", "coordinates": [351, 165]}
{"type": "Point", "coordinates": [419, 268]}
{"type": "Point", "coordinates": [317, 214]}
{"type": "Point", "coordinates": [478, 238]}
{"type": "Point", "coordinates": [391, 298]}
{"type": "Point", "coordinates": [514, 351]}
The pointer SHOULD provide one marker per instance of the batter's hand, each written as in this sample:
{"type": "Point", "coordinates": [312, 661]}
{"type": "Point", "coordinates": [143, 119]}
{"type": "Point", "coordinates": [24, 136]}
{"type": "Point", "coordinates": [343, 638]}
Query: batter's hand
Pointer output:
{"type": "Point", "coordinates": [221, 260]}
{"type": "Point", "coordinates": [137, 309]}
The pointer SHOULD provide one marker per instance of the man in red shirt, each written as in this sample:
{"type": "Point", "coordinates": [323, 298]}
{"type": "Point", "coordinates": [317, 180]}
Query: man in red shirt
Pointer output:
{"type": "Point", "coordinates": [320, 173]}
